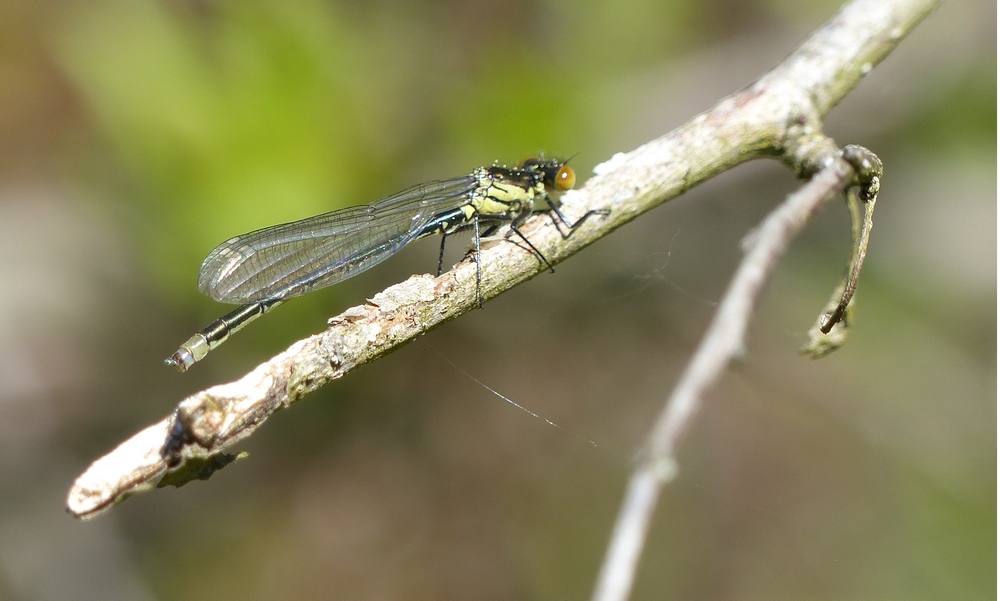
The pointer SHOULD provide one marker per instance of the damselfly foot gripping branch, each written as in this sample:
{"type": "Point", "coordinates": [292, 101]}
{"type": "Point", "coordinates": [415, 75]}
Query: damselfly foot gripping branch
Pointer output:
{"type": "Point", "coordinates": [266, 267]}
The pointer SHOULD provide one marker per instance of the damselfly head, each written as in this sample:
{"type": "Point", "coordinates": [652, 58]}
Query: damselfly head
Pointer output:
{"type": "Point", "coordinates": [556, 174]}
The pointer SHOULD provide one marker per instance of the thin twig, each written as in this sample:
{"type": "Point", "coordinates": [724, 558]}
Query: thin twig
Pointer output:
{"type": "Point", "coordinates": [868, 168]}
{"type": "Point", "coordinates": [724, 340]}
{"type": "Point", "coordinates": [831, 328]}
{"type": "Point", "coordinates": [780, 115]}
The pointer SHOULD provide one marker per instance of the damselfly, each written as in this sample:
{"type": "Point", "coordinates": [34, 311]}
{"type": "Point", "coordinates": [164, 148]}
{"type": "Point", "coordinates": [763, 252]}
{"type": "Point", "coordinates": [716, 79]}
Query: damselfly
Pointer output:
{"type": "Point", "coordinates": [266, 267]}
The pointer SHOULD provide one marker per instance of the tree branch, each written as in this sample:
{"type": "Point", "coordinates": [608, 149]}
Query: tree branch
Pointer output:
{"type": "Point", "coordinates": [778, 116]}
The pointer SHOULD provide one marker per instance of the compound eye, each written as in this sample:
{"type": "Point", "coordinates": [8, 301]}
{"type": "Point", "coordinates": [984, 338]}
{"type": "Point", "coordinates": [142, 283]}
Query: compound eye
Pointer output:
{"type": "Point", "coordinates": [565, 178]}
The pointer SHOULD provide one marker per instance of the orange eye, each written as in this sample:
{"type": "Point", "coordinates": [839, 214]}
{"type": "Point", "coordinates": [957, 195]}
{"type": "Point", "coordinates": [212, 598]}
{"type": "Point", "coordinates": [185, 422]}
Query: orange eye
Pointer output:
{"type": "Point", "coordinates": [566, 178]}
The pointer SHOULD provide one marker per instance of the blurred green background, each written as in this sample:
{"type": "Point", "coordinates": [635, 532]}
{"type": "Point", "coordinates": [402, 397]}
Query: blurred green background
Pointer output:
{"type": "Point", "coordinates": [134, 136]}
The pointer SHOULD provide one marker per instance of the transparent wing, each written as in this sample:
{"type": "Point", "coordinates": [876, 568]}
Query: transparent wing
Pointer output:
{"type": "Point", "coordinates": [292, 259]}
